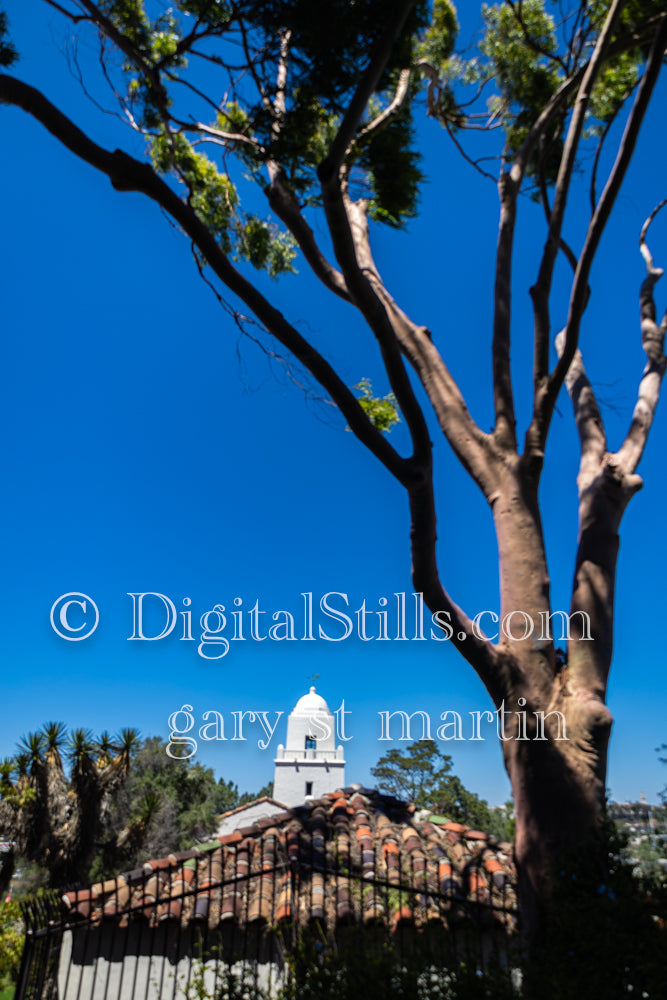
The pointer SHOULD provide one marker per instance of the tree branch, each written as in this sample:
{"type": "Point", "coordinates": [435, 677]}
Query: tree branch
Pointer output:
{"type": "Point", "coordinates": [548, 393]}
{"type": "Point", "coordinates": [396, 334]}
{"type": "Point", "coordinates": [128, 174]}
{"type": "Point", "coordinates": [653, 342]}
{"type": "Point", "coordinates": [235, 138]}
{"type": "Point", "coordinates": [279, 104]}
{"type": "Point", "coordinates": [606, 483]}
{"type": "Point", "coordinates": [503, 396]}
{"type": "Point", "coordinates": [282, 199]}
{"type": "Point", "coordinates": [593, 197]}
{"type": "Point", "coordinates": [542, 289]}
{"type": "Point", "coordinates": [590, 426]}
{"type": "Point", "coordinates": [368, 83]}
{"type": "Point", "coordinates": [479, 652]}
{"type": "Point", "coordinates": [530, 41]}
{"type": "Point", "coordinates": [471, 445]}
{"type": "Point", "coordinates": [123, 43]}
{"type": "Point", "coordinates": [348, 227]}
{"type": "Point", "coordinates": [286, 206]}
{"type": "Point", "coordinates": [509, 187]}
{"type": "Point", "coordinates": [564, 92]}
{"type": "Point", "coordinates": [389, 112]}
{"type": "Point", "coordinates": [74, 18]}
{"type": "Point", "coordinates": [567, 250]}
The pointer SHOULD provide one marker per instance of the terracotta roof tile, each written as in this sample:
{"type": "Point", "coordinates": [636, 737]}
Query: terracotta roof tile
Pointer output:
{"type": "Point", "coordinates": [183, 855]}
{"type": "Point", "coordinates": [231, 838]}
{"type": "Point", "coordinates": [248, 831]}
{"type": "Point", "coordinates": [157, 864]}
{"type": "Point", "coordinates": [353, 855]}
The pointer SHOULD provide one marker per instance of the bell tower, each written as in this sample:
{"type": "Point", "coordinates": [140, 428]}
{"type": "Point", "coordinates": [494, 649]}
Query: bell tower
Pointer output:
{"type": "Point", "coordinates": [309, 764]}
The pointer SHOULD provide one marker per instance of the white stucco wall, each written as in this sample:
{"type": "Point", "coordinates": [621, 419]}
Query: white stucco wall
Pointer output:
{"type": "Point", "coordinates": [102, 972]}
{"type": "Point", "coordinates": [246, 815]}
{"type": "Point", "coordinates": [293, 778]}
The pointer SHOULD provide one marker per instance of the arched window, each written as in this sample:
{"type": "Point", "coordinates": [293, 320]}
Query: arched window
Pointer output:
{"type": "Point", "coordinates": [311, 743]}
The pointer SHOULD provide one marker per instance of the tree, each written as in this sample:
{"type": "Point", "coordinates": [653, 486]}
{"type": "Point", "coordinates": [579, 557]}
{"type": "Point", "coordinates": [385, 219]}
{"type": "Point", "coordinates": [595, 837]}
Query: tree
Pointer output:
{"type": "Point", "coordinates": [165, 805]}
{"type": "Point", "coordinates": [421, 773]}
{"type": "Point", "coordinates": [323, 121]}
{"type": "Point", "coordinates": [416, 774]}
{"type": "Point", "coordinates": [11, 942]}
{"type": "Point", "coordinates": [57, 817]}
{"type": "Point", "coordinates": [120, 802]}
{"type": "Point", "coordinates": [662, 749]}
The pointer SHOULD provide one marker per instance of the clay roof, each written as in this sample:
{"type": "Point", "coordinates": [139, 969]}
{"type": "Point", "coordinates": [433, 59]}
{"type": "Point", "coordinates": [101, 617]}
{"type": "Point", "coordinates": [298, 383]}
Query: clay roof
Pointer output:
{"type": "Point", "coordinates": [353, 855]}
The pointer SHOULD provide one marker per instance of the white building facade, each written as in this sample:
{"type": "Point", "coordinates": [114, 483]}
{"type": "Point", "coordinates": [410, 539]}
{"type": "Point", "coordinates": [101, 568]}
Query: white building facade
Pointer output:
{"type": "Point", "coordinates": [309, 764]}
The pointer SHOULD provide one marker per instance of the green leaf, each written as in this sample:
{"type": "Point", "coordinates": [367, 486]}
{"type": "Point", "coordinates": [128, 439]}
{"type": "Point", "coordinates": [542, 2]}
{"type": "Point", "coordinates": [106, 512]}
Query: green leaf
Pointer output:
{"type": "Point", "coordinates": [393, 172]}
{"type": "Point", "coordinates": [8, 51]}
{"type": "Point", "coordinates": [264, 246]}
{"type": "Point", "coordinates": [212, 194]}
{"type": "Point", "coordinates": [383, 413]}
{"type": "Point", "coordinates": [438, 40]}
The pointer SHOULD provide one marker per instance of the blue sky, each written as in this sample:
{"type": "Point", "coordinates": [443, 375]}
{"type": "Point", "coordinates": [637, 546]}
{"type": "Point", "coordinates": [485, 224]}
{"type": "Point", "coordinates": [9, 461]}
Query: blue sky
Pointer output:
{"type": "Point", "coordinates": [149, 448]}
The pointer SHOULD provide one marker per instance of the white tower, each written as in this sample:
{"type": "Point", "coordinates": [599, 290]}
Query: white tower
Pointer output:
{"type": "Point", "coordinates": [310, 763]}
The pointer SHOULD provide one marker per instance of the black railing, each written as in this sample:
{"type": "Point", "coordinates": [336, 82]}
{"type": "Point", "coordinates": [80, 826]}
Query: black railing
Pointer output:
{"type": "Point", "coordinates": [250, 919]}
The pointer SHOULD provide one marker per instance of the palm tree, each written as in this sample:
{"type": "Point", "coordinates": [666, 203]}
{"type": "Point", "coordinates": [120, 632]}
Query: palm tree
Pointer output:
{"type": "Point", "coordinates": [131, 838]}
{"type": "Point", "coordinates": [57, 818]}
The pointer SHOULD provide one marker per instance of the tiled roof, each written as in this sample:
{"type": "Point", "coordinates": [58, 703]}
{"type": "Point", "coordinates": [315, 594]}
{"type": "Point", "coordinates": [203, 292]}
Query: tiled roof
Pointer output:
{"type": "Point", "coordinates": [353, 855]}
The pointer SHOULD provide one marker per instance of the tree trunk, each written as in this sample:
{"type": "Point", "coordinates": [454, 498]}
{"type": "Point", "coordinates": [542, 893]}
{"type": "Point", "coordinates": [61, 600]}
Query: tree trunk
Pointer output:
{"type": "Point", "coordinates": [555, 724]}
{"type": "Point", "coordinates": [556, 768]}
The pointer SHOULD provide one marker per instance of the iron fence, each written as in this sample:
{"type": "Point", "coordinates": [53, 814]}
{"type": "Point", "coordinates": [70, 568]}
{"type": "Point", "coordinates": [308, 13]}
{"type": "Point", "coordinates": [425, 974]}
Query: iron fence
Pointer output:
{"type": "Point", "coordinates": [228, 931]}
